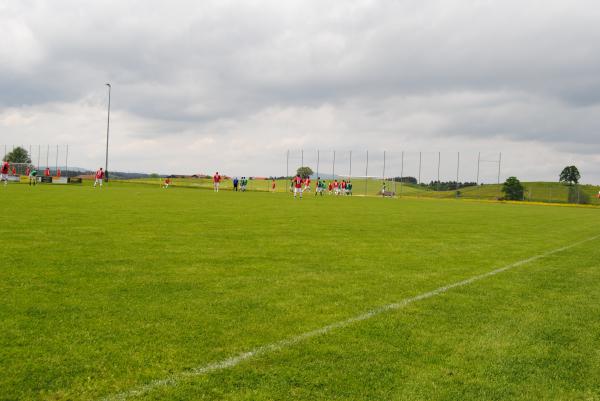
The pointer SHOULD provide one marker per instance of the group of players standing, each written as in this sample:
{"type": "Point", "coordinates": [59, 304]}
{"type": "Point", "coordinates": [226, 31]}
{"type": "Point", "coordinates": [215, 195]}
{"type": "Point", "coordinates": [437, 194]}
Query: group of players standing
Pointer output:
{"type": "Point", "coordinates": [300, 185]}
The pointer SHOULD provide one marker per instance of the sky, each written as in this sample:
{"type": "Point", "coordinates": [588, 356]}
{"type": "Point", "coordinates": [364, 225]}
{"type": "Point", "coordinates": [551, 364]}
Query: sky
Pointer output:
{"type": "Point", "coordinates": [231, 86]}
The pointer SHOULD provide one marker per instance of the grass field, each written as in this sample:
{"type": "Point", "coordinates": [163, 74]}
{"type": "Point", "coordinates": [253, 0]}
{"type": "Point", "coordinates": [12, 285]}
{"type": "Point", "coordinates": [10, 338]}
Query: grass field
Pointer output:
{"type": "Point", "coordinates": [133, 292]}
{"type": "Point", "coordinates": [550, 192]}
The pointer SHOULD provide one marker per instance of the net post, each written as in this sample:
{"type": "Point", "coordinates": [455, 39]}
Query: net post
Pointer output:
{"type": "Point", "coordinates": [367, 175]}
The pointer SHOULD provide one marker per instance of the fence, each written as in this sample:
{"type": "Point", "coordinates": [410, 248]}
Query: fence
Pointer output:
{"type": "Point", "coordinates": [52, 157]}
{"type": "Point", "coordinates": [432, 170]}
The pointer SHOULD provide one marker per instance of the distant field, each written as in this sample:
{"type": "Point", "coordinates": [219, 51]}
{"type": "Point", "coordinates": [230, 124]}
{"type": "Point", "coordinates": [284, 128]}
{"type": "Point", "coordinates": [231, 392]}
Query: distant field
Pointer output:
{"type": "Point", "coordinates": [552, 192]}
{"type": "Point", "coordinates": [136, 292]}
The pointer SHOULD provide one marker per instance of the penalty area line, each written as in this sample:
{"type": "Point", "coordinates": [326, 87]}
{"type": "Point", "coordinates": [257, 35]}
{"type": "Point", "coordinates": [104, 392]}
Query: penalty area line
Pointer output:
{"type": "Point", "coordinates": [174, 379]}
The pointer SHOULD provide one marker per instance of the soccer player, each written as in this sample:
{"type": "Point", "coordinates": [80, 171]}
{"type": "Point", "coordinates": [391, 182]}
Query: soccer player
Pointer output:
{"type": "Point", "coordinates": [216, 181]}
{"type": "Point", "coordinates": [330, 187]}
{"type": "Point", "coordinates": [14, 170]}
{"type": "Point", "coordinates": [297, 181]}
{"type": "Point", "coordinates": [47, 172]}
{"type": "Point", "coordinates": [99, 177]}
{"type": "Point", "coordinates": [167, 182]}
{"type": "Point", "coordinates": [343, 186]}
{"type": "Point", "coordinates": [307, 184]}
{"type": "Point", "coordinates": [235, 184]}
{"type": "Point", "coordinates": [33, 177]}
{"type": "Point", "coordinates": [349, 188]}
{"type": "Point", "coordinates": [4, 172]}
{"type": "Point", "coordinates": [336, 187]}
{"type": "Point", "coordinates": [320, 187]}
{"type": "Point", "coordinates": [273, 185]}
{"type": "Point", "coordinates": [27, 171]}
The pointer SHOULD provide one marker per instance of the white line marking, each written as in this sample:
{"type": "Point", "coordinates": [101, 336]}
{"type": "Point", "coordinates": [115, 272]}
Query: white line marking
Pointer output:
{"type": "Point", "coordinates": [236, 360]}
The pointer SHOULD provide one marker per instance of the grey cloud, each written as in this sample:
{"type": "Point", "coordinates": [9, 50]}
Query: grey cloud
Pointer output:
{"type": "Point", "coordinates": [521, 71]}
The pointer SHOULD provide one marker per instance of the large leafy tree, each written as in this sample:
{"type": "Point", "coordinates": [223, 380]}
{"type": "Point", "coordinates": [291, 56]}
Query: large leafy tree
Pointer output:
{"type": "Point", "coordinates": [304, 171]}
{"type": "Point", "coordinates": [513, 189]}
{"type": "Point", "coordinates": [18, 155]}
{"type": "Point", "coordinates": [570, 175]}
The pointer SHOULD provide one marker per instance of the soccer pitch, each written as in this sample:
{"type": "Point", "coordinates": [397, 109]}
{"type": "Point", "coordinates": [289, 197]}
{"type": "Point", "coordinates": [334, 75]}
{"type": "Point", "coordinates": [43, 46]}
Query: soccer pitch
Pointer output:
{"type": "Point", "coordinates": [135, 292]}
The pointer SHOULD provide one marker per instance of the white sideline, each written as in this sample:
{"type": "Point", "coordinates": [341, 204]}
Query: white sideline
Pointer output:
{"type": "Point", "coordinates": [235, 360]}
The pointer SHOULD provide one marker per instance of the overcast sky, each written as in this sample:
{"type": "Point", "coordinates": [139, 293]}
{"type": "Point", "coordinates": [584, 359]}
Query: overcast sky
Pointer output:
{"type": "Point", "coordinates": [199, 86]}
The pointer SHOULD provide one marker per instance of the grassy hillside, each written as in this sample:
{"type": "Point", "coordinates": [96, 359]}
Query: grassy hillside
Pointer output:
{"type": "Point", "coordinates": [534, 191]}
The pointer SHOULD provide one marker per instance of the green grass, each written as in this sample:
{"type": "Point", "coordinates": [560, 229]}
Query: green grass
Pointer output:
{"type": "Point", "coordinates": [107, 290]}
{"type": "Point", "coordinates": [548, 192]}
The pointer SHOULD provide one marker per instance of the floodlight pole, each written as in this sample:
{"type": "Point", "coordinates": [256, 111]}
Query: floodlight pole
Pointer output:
{"type": "Point", "coordinates": [302, 158]}
{"type": "Point", "coordinates": [287, 164]}
{"type": "Point", "coordinates": [39, 153]}
{"type": "Point", "coordinates": [67, 162]}
{"type": "Point", "coordinates": [107, 134]}
{"type": "Point", "coordinates": [56, 171]}
{"type": "Point", "coordinates": [48, 157]}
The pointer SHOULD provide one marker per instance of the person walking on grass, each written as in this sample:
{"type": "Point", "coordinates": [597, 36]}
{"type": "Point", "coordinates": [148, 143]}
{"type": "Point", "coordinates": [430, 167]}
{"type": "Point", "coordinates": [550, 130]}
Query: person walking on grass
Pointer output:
{"type": "Point", "coordinates": [235, 184]}
{"type": "Point", "coordinates": [216, 181]}
{"type": "Point", "coordinates": [297, 182]}
{"type": "Point", "coordinates": [99, 177]}
{"type": "Point", "coordinates": [273, 185]}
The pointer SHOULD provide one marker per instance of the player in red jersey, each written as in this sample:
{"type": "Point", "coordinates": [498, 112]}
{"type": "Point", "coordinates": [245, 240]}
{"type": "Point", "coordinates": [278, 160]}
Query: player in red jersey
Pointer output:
{"type": "Point", "coordinates": [167, 183]}
{"type": "Point", "coordinates": [306, 184]}
{"type": "Point", "coordinates": [4, 172]}
{"type": "Point", "coordinates": [99, 177]}
{"type": "Point", "coordinates": [27, 171]}
{"type": "Point", "coordinates": [216, 181]}
{"type": "Point", "coordinates": [297, 183]}
{"type": "Point", "coordinates": [47, 172]}
{"type": "Point", "coordinates": [273, 186]}
{"type": "Point", "coordinates": [330, 188]}
{"type": "Point", "coordinates": [336, 187]}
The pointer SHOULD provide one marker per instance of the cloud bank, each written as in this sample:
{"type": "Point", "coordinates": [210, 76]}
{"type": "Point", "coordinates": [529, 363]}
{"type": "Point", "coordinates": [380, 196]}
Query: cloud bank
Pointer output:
{"type": "Point", "coordinates": [231, 85]}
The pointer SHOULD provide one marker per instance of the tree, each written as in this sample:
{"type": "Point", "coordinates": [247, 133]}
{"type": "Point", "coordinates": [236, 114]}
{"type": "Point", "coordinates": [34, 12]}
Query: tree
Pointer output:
{"type": "Point", "coordinates": [513, 189]}
{"type": "Point", "coordinates": [304, 172]}
{"type": "Point", "coordinates": [570, 175]}
{"type": "Point", "coordinates": [18, 155]}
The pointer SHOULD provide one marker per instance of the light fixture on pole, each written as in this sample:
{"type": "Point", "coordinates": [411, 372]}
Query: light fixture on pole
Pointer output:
{"type": "Point", "coordinates": [107, 133]}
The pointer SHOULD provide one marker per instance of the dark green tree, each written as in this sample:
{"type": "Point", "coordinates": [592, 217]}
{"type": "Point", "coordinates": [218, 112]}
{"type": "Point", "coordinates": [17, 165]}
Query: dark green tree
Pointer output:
{"type": "Point", "coordinates": [570, 175]}
{"type": "Point", "coordinates": [304, 172]}
{"type": "Point", "coordinates": [513, 189]}
{"type": "Point", "coordinates": [18, 155]}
